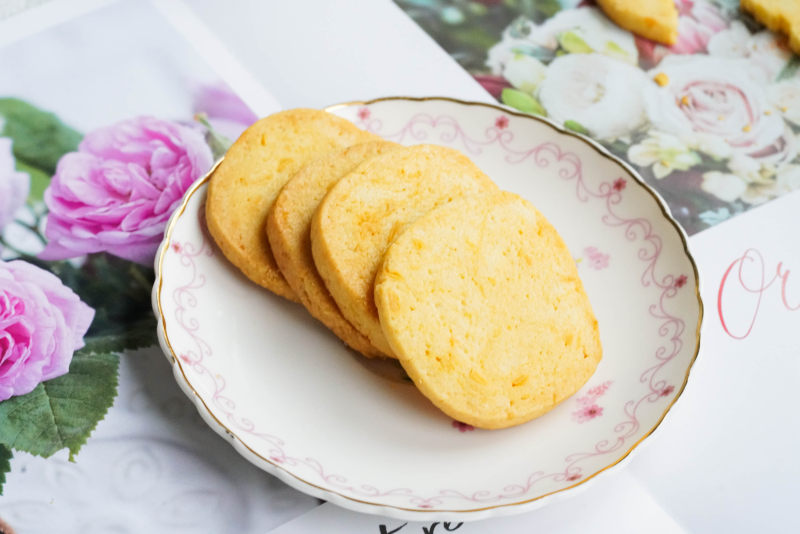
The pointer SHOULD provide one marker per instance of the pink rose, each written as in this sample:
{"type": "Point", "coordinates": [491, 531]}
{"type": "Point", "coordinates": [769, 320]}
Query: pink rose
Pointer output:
{"type": "Point", "coordinates": [698, 21]}
{"type": "Point", "coordinates": [116, 193]}
{"type": "Point", "coordinates": [718, 100]}
{"type": "Point", "coordinates": [14, 185]}
{"type": "Point", "coordinates": [42, 323]}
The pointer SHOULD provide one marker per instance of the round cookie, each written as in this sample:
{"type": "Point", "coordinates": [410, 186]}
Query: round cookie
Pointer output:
{"type": "Point", "coordinates": [481, 302]}
{"type": "Point", "coordinates": [368, 208]}
{"type": "Point", "coordinates": [288, 229]}
{"type": "Point", "coordinates": [255, 168]}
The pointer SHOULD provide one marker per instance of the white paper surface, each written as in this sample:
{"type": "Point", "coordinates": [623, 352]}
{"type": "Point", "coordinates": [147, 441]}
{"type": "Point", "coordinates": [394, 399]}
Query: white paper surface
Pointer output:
{"type": "Point", "coordinates": [618, 504]}
{"type": "Point", "coordinates": [725, 459]}
{"type": "Point", "coordinates": [152, 465]}
{"type": "Point", "coordinates": [314, 53]}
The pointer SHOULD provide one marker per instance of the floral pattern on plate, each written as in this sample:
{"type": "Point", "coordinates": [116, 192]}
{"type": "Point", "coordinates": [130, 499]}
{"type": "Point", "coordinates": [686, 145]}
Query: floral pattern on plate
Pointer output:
{"type": "Point", "coordinates": [296, 403]}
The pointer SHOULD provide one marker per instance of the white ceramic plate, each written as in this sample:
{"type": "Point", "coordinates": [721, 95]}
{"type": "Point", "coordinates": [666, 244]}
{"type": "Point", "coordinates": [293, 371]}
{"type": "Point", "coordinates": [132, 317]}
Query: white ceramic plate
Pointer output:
{"type": "Point", "coordinates": [295, 402]}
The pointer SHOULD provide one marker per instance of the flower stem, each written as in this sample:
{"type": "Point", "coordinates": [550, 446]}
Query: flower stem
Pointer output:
{"type": "Point", "coordinates": [138, 276]}
{"type": "Point", "coordinates": [33, 229]}
{"type": "Point", "coordinates": [11, 247]}
{"type": "Point", "coordinates": [216, 141]}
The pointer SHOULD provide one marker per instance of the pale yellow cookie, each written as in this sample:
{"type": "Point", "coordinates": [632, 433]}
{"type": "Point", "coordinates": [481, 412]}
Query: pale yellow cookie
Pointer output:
{"type": "Point", "coordinates": [481, 302]}
{"type": "Point", "coordinates": [255, 168]}
{"type": "Point", "coordinates": [366, 209]}
{"type": "Point", "coordinates": [778, 15]}
{"type": "Point", "coordinates": [288, 227]}
{"type": "Point", "coordinates": [653, 19]}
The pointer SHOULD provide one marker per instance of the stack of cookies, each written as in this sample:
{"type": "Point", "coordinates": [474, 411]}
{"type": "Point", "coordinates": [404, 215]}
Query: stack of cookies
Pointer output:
{"type": "Point", "coordinates": [410, 253]}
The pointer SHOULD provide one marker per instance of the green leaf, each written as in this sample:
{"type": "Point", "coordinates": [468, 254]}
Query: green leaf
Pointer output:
{"type": "Point", "coordinates": [135, 336]}
{"type": "Point", "coordinates": [538, 10]}
{"type": "Point", "coordinates": [118, 290]}
{"type": "Point", "coordinates": [5, 465]}
{"type": "Point", "coordinates": [573, 44]}
{"type": "Point", "coordinates": [473, 36]}
{"type": "Point", "coordinates": [39, 181]}
{"type": "Point", "coordinates": [40, 138]}
{"type": "Point", "coordinates": [548, 8]}
{"type": "Point", "coordinates": [62, 412]}
{"type": "Point", "coordinates": [790, 69]}
{"type": "Point", "coordinates": [522, 101]}
{"type": "Point", "coordinates": [613, 49]}
{"type": "Point", "coordinates": [576, 127]}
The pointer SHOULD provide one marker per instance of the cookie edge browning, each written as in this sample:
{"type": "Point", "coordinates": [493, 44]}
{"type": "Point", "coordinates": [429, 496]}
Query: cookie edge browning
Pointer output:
{"type": "Point", "coordinates": [235, 256]}
{"type": "Point", "coordinates": [323, 307]}
{"type": "Point", "coordinates": [259, 266]}
{"type": "Point", "coordinates": [325, 258]}
{"type": "Point", "coordinates": [382, 298]}
{"type": "Point", "coordinates": [615, 10]}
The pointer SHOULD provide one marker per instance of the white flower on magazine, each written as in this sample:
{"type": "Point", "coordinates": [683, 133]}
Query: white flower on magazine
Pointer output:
{"type": "Point", "coordinates": [730, 43]}
{"type": "Point", "coordinates": [724, 186]}
{"type": "Point", "coordinates": [765, 180]}
{"type": "Point", "coordinates": [785, 96]}
{"type": "Point", "coordinates": [786, 181]}
{"type": "Point", "coordinates": [715, 96]}
{"type": "Point", "coordinates": [665, 152]}
{"type": "Point", "coordinates": [709, 144]}
{"type": "Point", "coordinates": [766, 53]}
{"type": "Point", "coordinates": [499, 54]}
{"type": "Point", "coordinates": [524, 72]}
{"type": "Point", "coordinates": [587, 25]}
{"type": "Point", "coordinates": [776, 155]}
{"type": "Point", "coordinates": [583, 29]}
{"type": "Point", "coordinates": [515, 41]}
{"type": "Point", "coordinates": [749, 168]}
{"type": "Point", "coordinates": [604, 95]}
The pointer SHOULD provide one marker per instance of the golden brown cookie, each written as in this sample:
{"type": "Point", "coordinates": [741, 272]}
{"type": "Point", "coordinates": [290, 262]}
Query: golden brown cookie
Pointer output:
{"type": "Point", "coordinates": [481, 302]}
{"type": "Point", "coordinates": [368, 208]}
{"type": "Point", "coordinates": [255, 168]}
{"type": "Point", "coordinates": [288, 229]}
{"type": "Point", "coordinates": [653, 19]}
{"type": "Point", "coordinates": [779, 16]}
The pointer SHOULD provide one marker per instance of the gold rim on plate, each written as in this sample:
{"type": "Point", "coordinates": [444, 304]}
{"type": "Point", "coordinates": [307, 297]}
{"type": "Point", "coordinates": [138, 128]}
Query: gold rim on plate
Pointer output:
{"type": "Point", "coordinates": [326, 493]}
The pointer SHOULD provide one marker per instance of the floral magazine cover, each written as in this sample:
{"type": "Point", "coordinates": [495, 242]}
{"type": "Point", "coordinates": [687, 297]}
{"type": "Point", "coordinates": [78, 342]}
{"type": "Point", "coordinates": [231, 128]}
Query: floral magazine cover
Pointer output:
{"type": "Point", "coordinates": [711, 122]}
{"type": "Point", "coordinates": [95, 155]}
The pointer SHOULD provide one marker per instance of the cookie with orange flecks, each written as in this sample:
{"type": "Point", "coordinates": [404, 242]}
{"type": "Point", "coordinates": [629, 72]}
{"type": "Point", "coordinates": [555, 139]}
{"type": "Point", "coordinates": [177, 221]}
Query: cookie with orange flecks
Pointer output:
{"type": "Point", "coordinates": [364, 211]}
{"type": "Point", "coordinates": [288, 229]}
{"type": "Point", "coordinates": [778, 15]}
{"type": "Point", "coordinates": [481, 302]}
{"type": "Point", "coordinates": [256, 166]}
{"type": "Point", "coordinates": [653, 19]}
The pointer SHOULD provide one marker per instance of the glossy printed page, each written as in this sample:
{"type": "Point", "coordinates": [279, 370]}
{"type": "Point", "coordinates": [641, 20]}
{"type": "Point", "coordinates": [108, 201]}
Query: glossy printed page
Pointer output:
{"type": "Point", "coordinates": [710, 122]}
{"type": "Point", "coordinates": [102, 129]}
